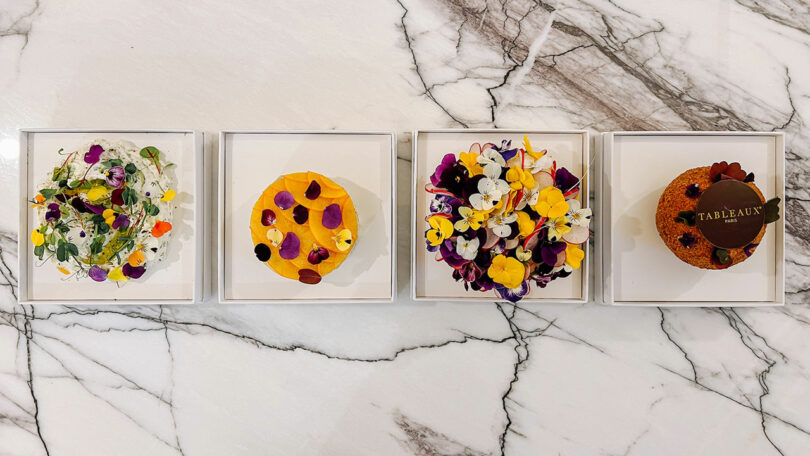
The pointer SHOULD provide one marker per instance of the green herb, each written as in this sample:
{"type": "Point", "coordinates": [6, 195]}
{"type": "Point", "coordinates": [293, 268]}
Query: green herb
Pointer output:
{"type": "Point", "coordinates": [72, 249]}
{"type": "Point", "coordinates": [130, 168]}
{"type": "Point", "coordinates": [59, 174]}
{"type": "Point", "coordinates": [150, 209]}
{"type": "Point", "coordinates": [63, 183]}
{"type": "Point", "coordinates": [152, 153]}
{"type": "Point", "coordinates": [39, 251]}
{"type": "Point", "coordinates": [111, 163]}
{"type": "Point", "coordinates": [686, 217]}
{"type": "Point", "coordinates": [61, 252]}
{"type": "Point", "coordinates": [48, 192]}
{"type": "Point", "coordinates": [103, 228]}
{"type": "Point", "coordinates": [129, 196]}
{"type": "Point", "coordinates": [97, 245]}
{"type": "Point", "coordinates": [772, 210]}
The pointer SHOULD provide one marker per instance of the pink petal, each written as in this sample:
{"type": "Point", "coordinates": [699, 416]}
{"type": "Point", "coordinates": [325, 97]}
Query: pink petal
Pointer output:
{"type": "Point", "coordinates": [284, 199]}
{"type": "Point", "coordinates": [290, 247]}
{"type": "Point", "coordinates": [268, 217]}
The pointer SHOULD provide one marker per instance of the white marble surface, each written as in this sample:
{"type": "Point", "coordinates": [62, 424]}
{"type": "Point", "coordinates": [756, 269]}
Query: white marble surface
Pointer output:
{"type": "Point", "coordinates": [410, 379]}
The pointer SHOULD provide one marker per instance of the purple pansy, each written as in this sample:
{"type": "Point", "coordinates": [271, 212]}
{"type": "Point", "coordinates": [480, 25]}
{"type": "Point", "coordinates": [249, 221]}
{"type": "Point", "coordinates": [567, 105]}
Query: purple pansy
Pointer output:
{"type": "Point", "coordinates": [93, 208]}
{"type": "Point", "coordinates": [133, 272]}
{"type": "Point", "coordinates": [79, 205]}
{"type": "Point", "coordinates": [93, 155]}
{"type": "Point", "coordinates": [290, 247]}
{"type": "Point", "coordinates": [550, 252]}
{"type": "Point", "coordinates": [749, 249]}
{"type": "Point", "coordinates": [513, 294]}
{"type": "Point", "coordinates": [284, 199]}
{"type": "Point", "coordinates": [53, 212]}
{"type": "Point", "coordinates": [565, 181]}
{"type": "Point", "coordinates": [447, 161]}
{"type": "Point", "coordinates": [687, 240]}
{"type": "Point", "coordinates": [97, 274]}
{"type": "Point", "coordinates": [443, 204]}
{"type": "Point", "coordinates": [449, 255]}
{"type": "Point", "coordinates": [692, 191]}
{"type": "Point", "coordinates": [506, 150]}
{"type": "Point", "coordinates": [301, 214]}
{"type": "Point", "coordinates": [115, 176]}
{"type": "Point", "coordinates": [317, 255]}
{"type": "Point", "coordinates": [121, 221]}
{"type": "Point", "coordinates": [332, 216]}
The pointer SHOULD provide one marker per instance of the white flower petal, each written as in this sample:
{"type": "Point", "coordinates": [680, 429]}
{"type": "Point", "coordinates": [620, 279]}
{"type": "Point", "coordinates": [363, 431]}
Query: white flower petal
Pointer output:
{"type": "Point", "coordinates": [502, 230]}
{"type": "Point", "coordinates": [486, 185]}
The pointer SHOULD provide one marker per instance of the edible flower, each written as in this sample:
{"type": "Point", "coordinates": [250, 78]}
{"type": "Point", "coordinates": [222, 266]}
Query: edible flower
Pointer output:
{"type": "Point", "coordinates": [97, 274]}
{"type": "Point", "coordinates": [169, 195]}
{"type": "Point", "coordinates": [136, 258]}
{"type": "Point", "coordinates": [93, 155]}
{"type": "Point", "coordinates": [499, 224]}
{"type": "Point", "coordinates": [96, 192]}
{"type": "Point", "coordinates": [37, 238]}
{"type": "Point", "coordinates": [53, 212]}
{"type": "Point", "coordinates": [470, 219]}
{"type": "Point", "coordinates": [441, 229]}
{"type": "Point", "coordinates": [506, 271]}
{"type": "Point", "coordinates": [275, 236]}
{"type": "Point", "coordinates": [443, 204]}
{"type": "Point", "coordinates": [525, 223]}
{"type": "Point", "coordinates": [63, 270]}
{"type": "Point", "coordinates": [519, 178]}
{"type": "Point", "coordinates": [551, 203]}
{"type": "Point", "coordinates": [109, 216]}
{"type": "Point", "coordinates": [39, 200]}
{"type": "Point", "coordinates": [513, 294]}
{"type": "Point", "coordinates": [121, 221]}
{"type": "Point", "coordinates": [492, 160]}
{"type": "Point", "coordinates": [133, 272]}
{"type": "Point", "coordinates": [115, 176]}
{"type": "Point", "coordinates": [343, 240]}
{"type": "Point", "coordinates": [447, 162]}
{"type": "Point", "coordinates": [317, 254]}
{"type": "Point", "coordinates": [573, 255]}
{"type": "Point", "coordinates": [470, 161]}
{"type": "Point", "coordinates": [490, 192]}
{"type": "Point", "coordinates": [467, 248]}
{"type": "Point", "coordinates": [522, 254]}
{"type": "Point", "coordinates": [537, 161]}
{"type": "Point", "coordinates": [579, 216]}
{"type": "Point", "coordinates": [558, 227]}
{"type": "Point", "coordinates": [117, 275]}
{"type": "Point", "coordinates": [161, 228]}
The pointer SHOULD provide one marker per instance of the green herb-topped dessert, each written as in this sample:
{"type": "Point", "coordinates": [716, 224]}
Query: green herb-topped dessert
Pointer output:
{"type": "Point", "coordinates": [104, 212]}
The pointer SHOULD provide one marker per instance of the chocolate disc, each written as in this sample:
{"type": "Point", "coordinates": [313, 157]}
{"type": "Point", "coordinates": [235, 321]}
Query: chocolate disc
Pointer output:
{"type": "Point", "coordinates": [729, 214]}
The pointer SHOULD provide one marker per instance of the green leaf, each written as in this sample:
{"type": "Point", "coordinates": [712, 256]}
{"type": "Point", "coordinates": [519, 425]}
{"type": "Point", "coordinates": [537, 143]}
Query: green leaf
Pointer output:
{"type": "Point", "coordinates": [102, 228]}
{"type": "Point", "coordinates": [686, 217]}
{"type": "Point", "coordinates": [150, 209]}
{"type": "Point", "coordinates": [75, 183]}
{"type": "Point", "coordinates": [111, 163]}
{"type": "Point", "coordinates": [61, 252]}
{"type": "Point", "coordinates": [59, 174]}
{"type": "Point", "coordinates": [129, 197]}
{"type": "Point", "coordinates": [39, 251]}
{"type": "Point", "coordinates": [60, 242]}
{"type": "Point", "coordinates": [722, 256]}
{"type": "Point", "coordinates": [86, 185]}
{"type": "Point", "coordinates": [72, 249]}
{"type": "Point", "coordinates": [150, 152]}
{"type": "Point", "coordinates": [63, 183]}
{"type": "Point", "coordinates": [772, 210]}
{"type": "Point", "coordinates": [48, 192]}
{"type": "Point", "coordinates": [97, 245]}
{"type": "Point", "coordinates": [64, 228]}
{"type": "Point", "coordinates": [97, 218]}
{"type": "Point", "coordinates": [130, 168]}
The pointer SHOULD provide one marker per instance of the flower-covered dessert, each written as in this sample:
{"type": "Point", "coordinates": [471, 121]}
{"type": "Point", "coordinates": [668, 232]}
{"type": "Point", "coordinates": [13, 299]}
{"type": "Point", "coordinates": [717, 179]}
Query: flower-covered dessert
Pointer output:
{"type": "Point", "coordinates": [715, 216]}
{"type": "Point", "coordinates": [104, 212]}
{"type": "Point", "coordinates": [303, 226]}
{"type": "Point", "coordinates": [504, 217]}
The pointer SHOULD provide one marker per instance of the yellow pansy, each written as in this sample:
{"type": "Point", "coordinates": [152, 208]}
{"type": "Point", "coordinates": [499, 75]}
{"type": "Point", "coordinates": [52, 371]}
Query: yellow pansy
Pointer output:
{"type": "Point", "coordinates": [275, 236]}
{"type": "Point", "coordinates": [136, 258]}
{"type": "Point", "coordinates": [574, 255]}
{"type": "Point", "coordinates": [109, 216]}
{"type": "Point", "coordinates": [117, 275]}
{"type": "Point", "coordinates": [551, 203]}
{"type": "Point", "coordinates": [470, 219]}
{"type": "Point", "coordinates": [168, 196]}
{"type": "Point", "coordinates": [37, 238]}
{"type": "Point", "coordinates": [523, 254]}
{"type": "Point", "coordinates": [96, 192]}
{"type": "Point", "coordinates": [525, 223]}
{"type": "Point", "coordinates": [558, 227]}
{"type": "Point", "coordinates": [519, 178]}
{"type": "Point", "coordinates": [470, 161]}
{"type": "Point", "coordinates": [506, 271]}
{"type": "Point", "coordinates": [63, 270]}
{"type": "Point", "coordinates": [343, 240]}
{"type": "Point", "coordinates": [528, 147]}
{"type": "Point", "coordinates": [442, 228]}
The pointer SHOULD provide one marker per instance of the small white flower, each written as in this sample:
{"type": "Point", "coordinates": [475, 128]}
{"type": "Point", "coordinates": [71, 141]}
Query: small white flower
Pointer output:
{"type": "Point", "coordinates": [500, 224]}
{"type": "Point", "coordinates": [488, 195]}
{"type": "Point", "coordinates": [467, 248]}
{"type": "Point", "coordinates": [491, 156]}
{"type": "Point", "coordinates": [529, 197]}
{"type": "Point", "coordinates": [581, 217]}
{"type": "Point", "coordinates": [539, 164]}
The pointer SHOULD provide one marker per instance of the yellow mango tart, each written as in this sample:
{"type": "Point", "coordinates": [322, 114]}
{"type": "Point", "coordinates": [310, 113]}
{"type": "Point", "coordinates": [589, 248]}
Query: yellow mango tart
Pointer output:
{"type": "Point", "coordinates": [303, 226]}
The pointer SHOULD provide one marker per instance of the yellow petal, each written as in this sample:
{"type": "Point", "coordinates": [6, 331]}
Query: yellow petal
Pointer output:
{"type": "Point", "coordinates": [525, 223]}
{"type": "Point", "coordinates": [343, 240]}
{"type": "Point", "coordinates": [434, 237]}
{"type": "Point", "coordinates": [446, 227]}
{"type": "Point", "coordinates": [558, 210]}
{"type": "Point", "coordinates": [63, 270]}
{"type": "Point", "coordinates": [96, 192]}
{"type": "Point", "coordinates": [542, 208]}
{"type": "Point", "coordinates": [108, 213]}
{"type": "Point", "coordinates": [168, 196]}
{"type": "Point", "coordinates": [136, 258]}
{"type": "Point", "coordinates": [574, 255]}
{"type": "Point", "coordinates": [117, 275]}
{"type": "Point", "coordinates": [275, 236]}
{"type": "Point", "coordinates": [37, 238]}
{"type": "Point", "coordinates": [109, 220]}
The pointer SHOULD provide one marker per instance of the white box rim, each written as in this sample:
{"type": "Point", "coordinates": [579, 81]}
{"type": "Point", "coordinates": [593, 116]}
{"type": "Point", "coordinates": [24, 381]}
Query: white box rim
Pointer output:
{"type": "Point", "coordinates": [607, 199]}
{"type": "Point", "coordinates": [587, 163]}
{"type": "Point", "coordinates": [200, 212]}
{"type": "Point", "coordinates": [221, 220]}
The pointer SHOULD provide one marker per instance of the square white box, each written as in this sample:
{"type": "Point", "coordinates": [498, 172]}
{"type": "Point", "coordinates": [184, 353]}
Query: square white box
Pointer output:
{"type": "Point", "coordinates": [364, 163]}
{"type": "Point", "coordinates": [180, 280]}
{"type": "Point", "coordinates": [638, 269]}
{"type": "Point", "coordinates": [432, 280]}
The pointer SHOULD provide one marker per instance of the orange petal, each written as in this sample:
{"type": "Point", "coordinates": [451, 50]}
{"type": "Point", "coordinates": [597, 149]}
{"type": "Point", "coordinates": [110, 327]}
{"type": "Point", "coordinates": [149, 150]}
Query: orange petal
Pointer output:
{"type": "Point", "coordinates": [161, 228]}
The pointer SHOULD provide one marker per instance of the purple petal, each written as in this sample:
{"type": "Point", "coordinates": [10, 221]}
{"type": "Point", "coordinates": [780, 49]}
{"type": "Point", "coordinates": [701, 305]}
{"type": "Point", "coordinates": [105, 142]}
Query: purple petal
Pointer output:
{"type": "Point", "coordinates": [513, 294]}
{"type": "Point", "coordinates": [117, 198]}
{"type": "Point", "coordinates": [749, 249]}
{"type": "Point", "coordinates": [317, 255]}
{"type": "Point", "coordinates": [692, 191]}
{"type": "Point", "coordinates": [79, 205]}
{"type": "Point", "coordinates": [121, 221]}
{"type": "Point", "coordinates": [97, 274]}
{"type": "Point", "coordinates": [94, 154]}
{"type": "Point", "coordinates": [564, 180]}
{"type": "Point", "coordinates": [313, 191]}
{"type": "Point", "coordinates": [134, 272]}
{"type": "Point", "coordinates": [300, 214]}
{"type": "Point", "coordinates": [284, 199]}
{"type": "Point", "coordinates": [290, 247]}
{"type": "Point", "coordinates": [95, 209]}
{"type": "Point", "coordinates": [687, 240]}
{"type": "Point", "coordinates": [115, 176]}
{"type": "Point", "coordinates": [332, 216]}
{"type": "Point", "coordinates": [268, 217]}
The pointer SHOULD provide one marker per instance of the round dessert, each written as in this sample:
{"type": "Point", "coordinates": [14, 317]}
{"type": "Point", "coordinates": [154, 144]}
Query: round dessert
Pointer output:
{"type": "Point", "coordinates": [104, 211]}
{"type": "Point", "coordinates": [303, 226]}
{"type": "Point", "coordinates": [714, 217]}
